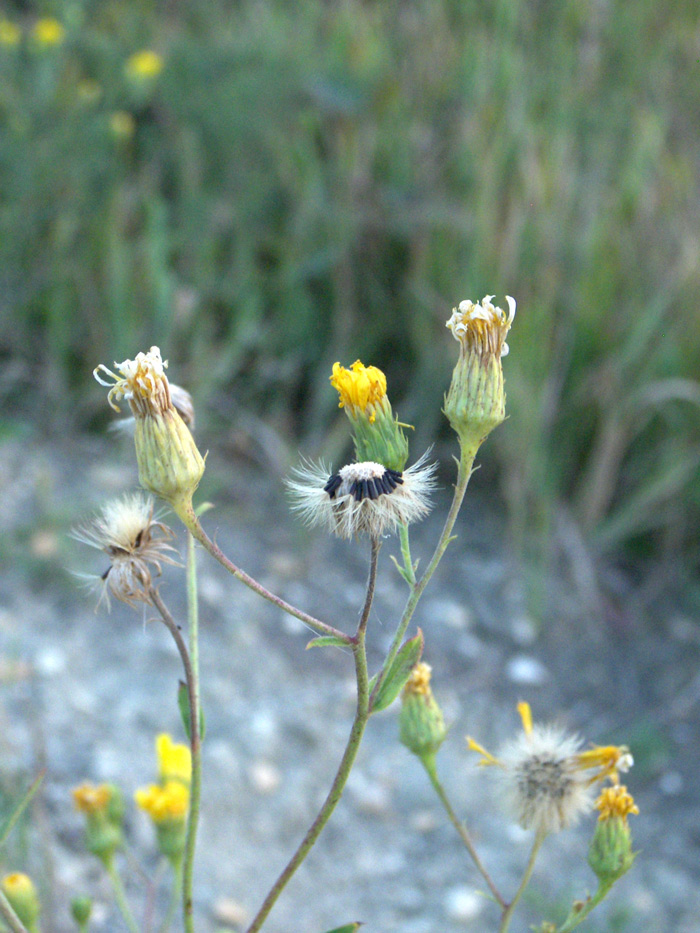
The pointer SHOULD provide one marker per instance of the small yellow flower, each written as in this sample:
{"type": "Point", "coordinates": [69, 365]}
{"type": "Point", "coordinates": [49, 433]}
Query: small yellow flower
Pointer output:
{"type": "Point", "coordinates": [144, 65]}
{"type": "Point", "coordinates": [608, 760]}
{"type": "Point", "coordinates": [10, 33]}
{"type": "Point", "coordinates": [122, 124]}
{"type": "Point", "coordinates": [174, 760]}
{"type": "Point", "coordinates": [361, 387]}
{"type": "Point", "coordinates": [164, 803]}
{"type": "Point", "coordinates": [17, 882]}
{"type": "Point", "coordinates": [89, 91]}
{"type": "Point", "coordinates": [615, 801]}
{"type": "Point", "coordinates": [48, 32]}
{"type": "Point", "coordinates": [92, 798]}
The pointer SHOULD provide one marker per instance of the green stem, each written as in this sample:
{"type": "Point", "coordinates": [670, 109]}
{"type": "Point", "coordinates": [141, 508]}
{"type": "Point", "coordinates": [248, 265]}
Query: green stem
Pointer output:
{"type": "Point", "coordinates": [348, 759]}
{"type": "Point", "coordinates": [579, 915]}
{"type": "Point", "coordinates": [529, 868]}
{"type": "Point", "coordinates": [175, 895]}
{"type": "Point", "coordinates": [409, 572]}
{"type": "Point", "coordinates": [187, 516]}
{"type": "Point", "coordinates": [464, 472]}
{"type": "Point", "coordinates": [195, 738]}
{"type": "Point", "coordinates": [120, 894]}
{"type": "Point", "coordinates": [10, 917]}
{"type": "Point", "coordinates": [430, 767]}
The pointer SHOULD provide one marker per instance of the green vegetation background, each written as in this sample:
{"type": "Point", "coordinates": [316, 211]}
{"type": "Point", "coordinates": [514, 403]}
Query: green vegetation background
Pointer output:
{"type": "Point", "coordinates": [307, 182]}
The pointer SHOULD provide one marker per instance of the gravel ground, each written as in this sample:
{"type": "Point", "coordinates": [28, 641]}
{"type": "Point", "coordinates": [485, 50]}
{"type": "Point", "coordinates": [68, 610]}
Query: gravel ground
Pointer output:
{"type": "Point", "coordinates": [85, 693]}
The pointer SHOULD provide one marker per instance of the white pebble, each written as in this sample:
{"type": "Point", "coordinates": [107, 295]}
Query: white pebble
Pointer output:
{"type": "Point", "coordinates": [526, 670]}
{"type": "Point", "coordinates": [463, 904]}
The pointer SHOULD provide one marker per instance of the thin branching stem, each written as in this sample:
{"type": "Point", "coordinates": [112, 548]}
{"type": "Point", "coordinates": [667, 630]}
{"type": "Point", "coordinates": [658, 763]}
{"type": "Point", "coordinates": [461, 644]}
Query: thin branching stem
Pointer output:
{"type": "Point", "coordinates": [580, 911]}
{"type": "Point", "coordinates": [464, 472]}
{"type": "Point", "coordinates": [189, 519]}
{"type": "Point", "coordinates": [348, 759]}
{"type": "Point", "coordinates": [431, 768]}
{"type": "Point", "coordinates": [195, 738]}
{"type": "Point", "coordinates": [529, 868]}
{"type": "Point", "coordinates": [120, 894]}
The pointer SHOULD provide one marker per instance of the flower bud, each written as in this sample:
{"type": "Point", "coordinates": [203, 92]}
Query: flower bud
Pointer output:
{"type": "Point", "coordinates": [19, 889]}
{"type": "Point", "coordinates": [421, 724]}
{"type": "Point", "coordinates": [81, 908]}
{"type": "Point", "coordinates": [610, 854]}
{"type": "Point", "coordinates": [103, 806]}
{"type": "Point", "coordinates": [475, 401]}
{"type": "Point", "coordinates": [377, 435]}
{"type": "Point", "coordinates": [169, 463]}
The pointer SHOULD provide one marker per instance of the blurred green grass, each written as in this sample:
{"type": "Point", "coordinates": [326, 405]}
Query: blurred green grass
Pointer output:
{"type": "Point", "coordinates": [309, 182]}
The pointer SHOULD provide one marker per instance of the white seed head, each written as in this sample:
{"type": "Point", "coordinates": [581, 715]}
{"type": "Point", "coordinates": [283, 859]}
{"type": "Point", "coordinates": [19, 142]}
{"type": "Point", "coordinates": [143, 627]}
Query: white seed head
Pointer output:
{"type": "Point", "coordinates": [542, 780]}
{"type": "Point", "coordinates": [136, 543]}
{"type": "Point", "coordinates": [362, 497]}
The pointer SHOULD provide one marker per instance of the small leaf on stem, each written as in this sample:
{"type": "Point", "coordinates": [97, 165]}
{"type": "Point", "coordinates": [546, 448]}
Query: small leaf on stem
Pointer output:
{"type": "Point", "coordinates": [409, 654]}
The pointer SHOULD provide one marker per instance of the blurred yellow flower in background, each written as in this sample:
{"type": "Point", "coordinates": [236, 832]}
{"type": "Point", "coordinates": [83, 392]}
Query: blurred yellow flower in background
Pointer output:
{"type": "Point", "coordinates": [144, 65]}
{"type": "Point", "coordinates": [48, 32]}
{"type": "Point", "coordinates": [122, 124]}
{"type": "Point", "coordinates": [10, 34]}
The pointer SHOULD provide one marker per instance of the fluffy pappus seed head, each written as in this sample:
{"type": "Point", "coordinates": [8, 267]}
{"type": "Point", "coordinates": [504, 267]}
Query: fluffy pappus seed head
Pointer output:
{"type": "Point", "coordinates": [169, 463]}
{"type": "Point", "coordinates": [362, 498]}
{"type": "Point", "coordinates": [541, 783]}
{"type": "Point", "coordinates": [545, 777]}
{"type": "Point", "coordinates": [136, 543]}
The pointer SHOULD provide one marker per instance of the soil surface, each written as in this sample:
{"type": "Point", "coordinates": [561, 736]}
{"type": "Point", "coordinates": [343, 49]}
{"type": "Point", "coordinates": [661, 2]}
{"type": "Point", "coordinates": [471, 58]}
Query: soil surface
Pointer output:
{"type": "Point", "coordinates": [84, 694]}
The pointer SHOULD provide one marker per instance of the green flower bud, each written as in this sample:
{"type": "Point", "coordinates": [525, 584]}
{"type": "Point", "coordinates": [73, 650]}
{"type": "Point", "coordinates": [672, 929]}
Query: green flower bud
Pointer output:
{"type": "Point", "coordinates": [610, 854]}
{"type": "Point", "coordinates": [169, 463]}
{"type": "Point", "coordinates": [19, 889]}
{"type": "Point", "coordinates": [421, 724]}
{"type": "Point", "coordinates": [81, 908]}
{"type": "Point", "coordinates": [475, 401]}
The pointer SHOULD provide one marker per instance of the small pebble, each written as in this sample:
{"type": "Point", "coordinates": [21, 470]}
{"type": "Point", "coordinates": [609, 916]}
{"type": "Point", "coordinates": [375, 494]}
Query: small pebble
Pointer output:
{"type": "Point", "coordinates": [463, 904]}
{"type": "Point", "coordinates": [50, 661]}
{"type": "Point", "coordinates": [671, 783]}
{"type": "Point", "coordinates": [229, 912]}
{"type": "Point", "coordinates": [264, 777]}
{"type": "Point", "coordinates": [526, 670]}
{"type": "Point", "coordinates": [423, 821]}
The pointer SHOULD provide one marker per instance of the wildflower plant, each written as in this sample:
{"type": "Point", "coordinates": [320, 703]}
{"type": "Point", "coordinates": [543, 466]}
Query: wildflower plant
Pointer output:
{"type": "Point", "coordinates": [546, 777]}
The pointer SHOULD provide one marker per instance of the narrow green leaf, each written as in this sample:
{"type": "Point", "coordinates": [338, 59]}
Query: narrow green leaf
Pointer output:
{"type": "Point", "coordinates": [183, 702]}
{"type": "Point", "coordinates": [20, 808]}
{"type": "Point", "coordinates": [327, 641]}
{"type": "Point", "coordinates": [348, 928]}
{"type": "Point", "coordinates": [408, 655]}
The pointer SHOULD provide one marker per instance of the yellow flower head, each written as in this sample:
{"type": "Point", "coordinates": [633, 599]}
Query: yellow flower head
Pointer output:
{"type": "Point", "coordinates": [144, 65]}
{"type": "Point", "coordinates": [10, 34]}
{"type": "Point", "coordinates": [92, 798]}
{"type": "Point", "coordinates": [174, 760]}
{"type": "Point", "coordinates": [606, 761]}
{"type": "Point", "coordinates": [615, 801]}
{"type": "Point", "coordinates": [21, 893]}
{"type": "Point", "coordinates": [48, 32]}
{"type": "Point", "coordinates": [164, 803]}
{"type": "Point", "coordinates": [360, 387]}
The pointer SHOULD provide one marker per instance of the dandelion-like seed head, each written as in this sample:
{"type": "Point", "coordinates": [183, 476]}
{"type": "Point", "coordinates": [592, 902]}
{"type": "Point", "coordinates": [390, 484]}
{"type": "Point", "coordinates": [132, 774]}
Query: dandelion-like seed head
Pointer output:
{"type": "Point", "coordinates": [136, 543]}
{"type": "Point", "coordinates": [362, 498]}
{"type": "Point", "coordinates": [547, 780]}
{"type": "Point", "coordinates": [482, 327]}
